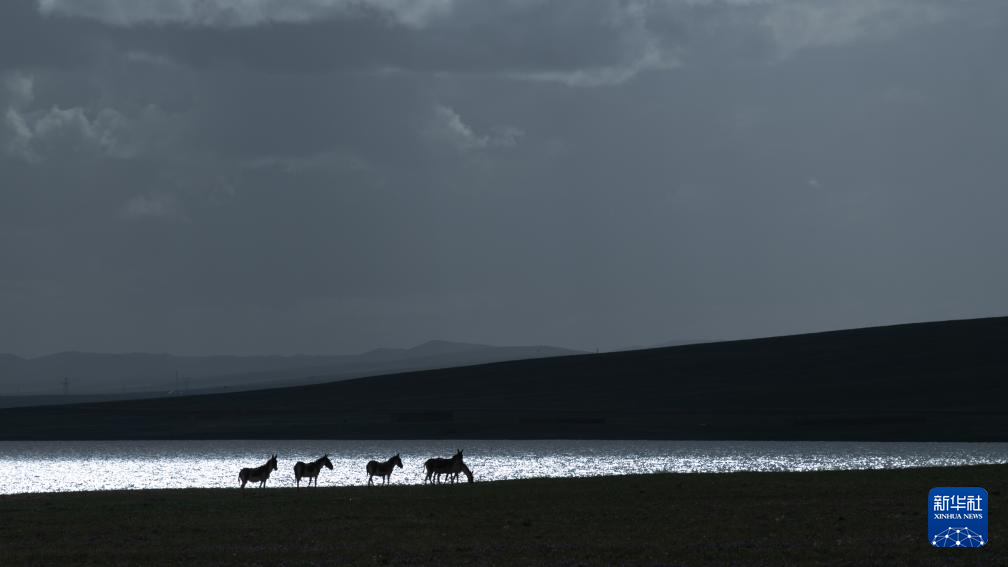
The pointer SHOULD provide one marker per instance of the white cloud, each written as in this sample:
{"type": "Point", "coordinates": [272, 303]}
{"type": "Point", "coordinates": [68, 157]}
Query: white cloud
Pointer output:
{"type": "Point", "coordinates": [31, 134]}
{"type": "Point", "coordinates": [449, 127]}
{"type": "Point", "coordinates": [507, 136]}
{"type": "Point", "coordinates": [791, 26]}
{"type": "Point", "coordinates": [644, 50]}
{"type": "Point", "coordinates": [35, 134]}
{"type": "Point", "coordinates": [17, 135]}
{"type": "Point", "coordinates": [243, 13]}
{"type": "Point", "coordinates": [413, 13]}
{"type": "Point", "coordinates": [457, 131]}
{"type": "Point", "coordinates": [651, 59]}
{"type": "Point", "coordinates": [796, 25]}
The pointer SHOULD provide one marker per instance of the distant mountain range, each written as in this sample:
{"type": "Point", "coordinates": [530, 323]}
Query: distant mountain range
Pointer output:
{"type": "Point", "coordinates": [97, 377]}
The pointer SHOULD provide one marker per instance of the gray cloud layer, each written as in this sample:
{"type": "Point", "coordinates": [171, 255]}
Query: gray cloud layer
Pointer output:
{"type": "Point", "coordinates": [330, 176]}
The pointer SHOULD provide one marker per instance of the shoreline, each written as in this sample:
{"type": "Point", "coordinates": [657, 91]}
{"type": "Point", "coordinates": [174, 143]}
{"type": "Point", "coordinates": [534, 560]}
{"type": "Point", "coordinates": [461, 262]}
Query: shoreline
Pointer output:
{"type": "Point", "coordinates": [841, 517]}
{"type": "Point", "coordinates": [134, 465]}
{"type": "Point", "coordinates": [272, 486]}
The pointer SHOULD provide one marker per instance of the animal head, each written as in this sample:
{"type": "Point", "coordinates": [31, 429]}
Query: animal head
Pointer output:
{"type": "Point", "coordinates": [326, 461]}
{"type": "Point", "coordinates": [397, 461]}
{"type": "Point", "coordinates": [272, 463]}
{"type": "Point", "coordinates": [458, 455]}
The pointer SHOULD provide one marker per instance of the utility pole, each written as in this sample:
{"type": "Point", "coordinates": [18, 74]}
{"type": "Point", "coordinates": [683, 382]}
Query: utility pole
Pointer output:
{"type": "Point", "coordinates": [176, 383]}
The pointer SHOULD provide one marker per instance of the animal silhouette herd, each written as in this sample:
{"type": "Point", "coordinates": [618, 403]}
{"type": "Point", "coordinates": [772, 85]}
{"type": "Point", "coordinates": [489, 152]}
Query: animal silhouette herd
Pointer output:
{"type": "Point", "coordinates": [435, 467]}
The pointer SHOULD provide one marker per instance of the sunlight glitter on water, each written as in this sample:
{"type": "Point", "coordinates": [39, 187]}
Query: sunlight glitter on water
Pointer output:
{"type": "Point", "coordinates": [57, 466]}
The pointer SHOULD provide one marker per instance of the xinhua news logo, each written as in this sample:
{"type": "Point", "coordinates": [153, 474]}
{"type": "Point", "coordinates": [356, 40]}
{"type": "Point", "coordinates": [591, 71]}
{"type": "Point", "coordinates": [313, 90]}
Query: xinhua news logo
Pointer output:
{"type": "Point", "coordinates": [957, 516]}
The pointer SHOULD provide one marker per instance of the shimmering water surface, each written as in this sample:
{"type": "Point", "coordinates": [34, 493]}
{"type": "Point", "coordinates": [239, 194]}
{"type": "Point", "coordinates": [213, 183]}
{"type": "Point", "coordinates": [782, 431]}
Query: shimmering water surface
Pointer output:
{"type": "Point", "coordinates": [55, 466]}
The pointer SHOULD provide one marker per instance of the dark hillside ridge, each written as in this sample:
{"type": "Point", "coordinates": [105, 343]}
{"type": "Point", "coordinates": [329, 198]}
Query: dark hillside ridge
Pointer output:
{"type": "Point", "coordinates": [943, 381]}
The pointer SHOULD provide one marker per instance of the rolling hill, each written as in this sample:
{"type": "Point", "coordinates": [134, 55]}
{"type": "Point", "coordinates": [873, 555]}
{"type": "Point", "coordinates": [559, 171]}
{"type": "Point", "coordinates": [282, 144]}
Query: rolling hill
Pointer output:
{"type": "Point", "coordinates": [943, 381]}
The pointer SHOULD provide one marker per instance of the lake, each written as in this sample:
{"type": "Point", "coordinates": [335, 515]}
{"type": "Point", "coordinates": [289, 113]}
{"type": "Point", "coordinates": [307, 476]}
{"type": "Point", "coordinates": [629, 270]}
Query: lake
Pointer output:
{"type": "Point", "coordinates": [56, 466]}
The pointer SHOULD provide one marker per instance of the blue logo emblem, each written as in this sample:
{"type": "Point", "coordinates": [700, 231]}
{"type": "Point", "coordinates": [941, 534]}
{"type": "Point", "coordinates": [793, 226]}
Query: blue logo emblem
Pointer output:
{"type": "Point", "coordinates": [957, 516]}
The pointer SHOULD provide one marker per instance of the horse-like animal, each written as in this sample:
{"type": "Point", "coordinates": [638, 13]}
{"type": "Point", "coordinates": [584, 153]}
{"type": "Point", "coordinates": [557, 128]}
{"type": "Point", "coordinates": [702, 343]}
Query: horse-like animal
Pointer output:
{"type": "Point", "coordinates": [258, 474]}
{"type": "Point", "coordinates": [311, 470]}
{"type": "Point", "coordinates": [454, 476]}
{"type": "Point", "coordinates": [438, 466]}
{"type": "Point", "coordinates": [384, 470]}
{"type": "Point", "coordinates": [465, 470]}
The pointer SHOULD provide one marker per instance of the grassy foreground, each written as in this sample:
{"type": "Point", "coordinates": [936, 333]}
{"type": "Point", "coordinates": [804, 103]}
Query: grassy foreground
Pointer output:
{"type": "Point", "coordinates": [868, 517]}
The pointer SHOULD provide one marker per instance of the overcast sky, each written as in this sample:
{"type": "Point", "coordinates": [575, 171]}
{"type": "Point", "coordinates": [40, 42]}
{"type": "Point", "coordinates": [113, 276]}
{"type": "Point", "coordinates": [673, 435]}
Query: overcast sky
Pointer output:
{"type": "Point", "coordinates": [330, 176]}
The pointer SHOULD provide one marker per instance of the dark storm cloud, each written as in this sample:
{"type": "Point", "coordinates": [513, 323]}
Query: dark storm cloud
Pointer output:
{"type": "Point", "coordinates": [464, 36]}
{"type": "Point", "coordinates": [591, 41]}
{"type": "Point", "coordinates": [332, 176]}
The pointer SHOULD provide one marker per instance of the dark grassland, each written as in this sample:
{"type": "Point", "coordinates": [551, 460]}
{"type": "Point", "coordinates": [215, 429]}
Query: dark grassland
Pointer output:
{"type": "Point", "coordinates": [841, 518]}
{"type": "Point", "coordinates": [923, 382]}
